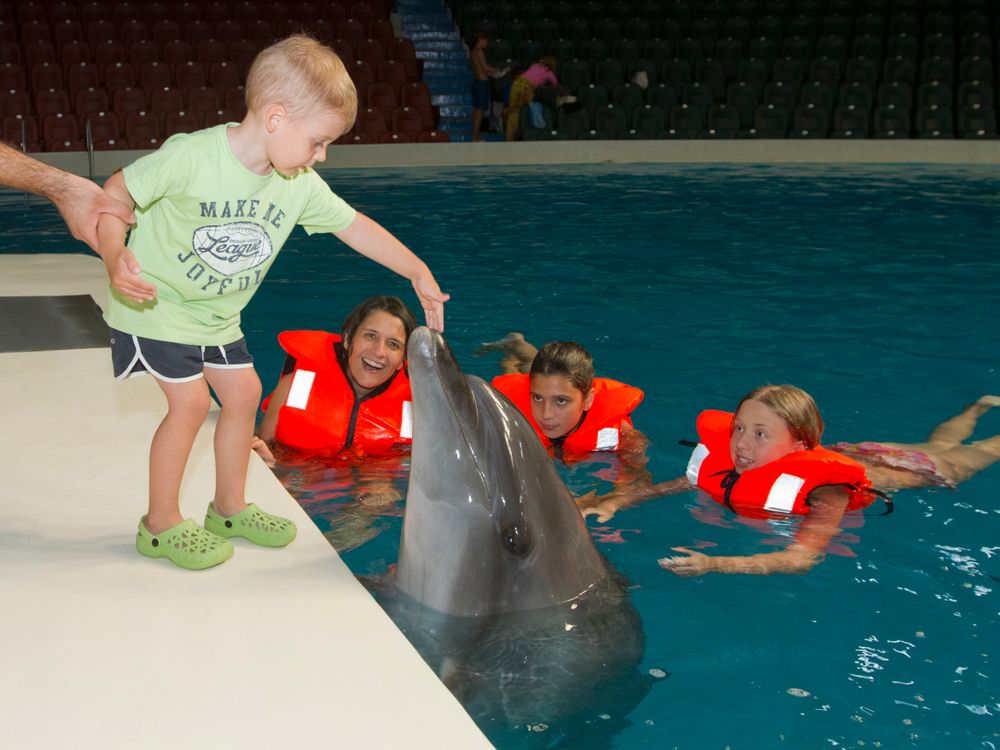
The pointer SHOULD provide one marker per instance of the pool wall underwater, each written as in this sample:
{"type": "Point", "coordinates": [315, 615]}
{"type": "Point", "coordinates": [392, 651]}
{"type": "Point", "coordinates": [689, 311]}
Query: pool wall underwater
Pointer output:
{"type": "Point", "coordinates": [868, 151]}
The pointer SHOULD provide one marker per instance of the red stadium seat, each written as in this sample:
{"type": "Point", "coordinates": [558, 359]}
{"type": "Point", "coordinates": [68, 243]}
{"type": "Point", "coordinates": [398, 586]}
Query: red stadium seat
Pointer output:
{"type": "Point", "coordinates": [154, 75]}
{"type": "Point", "coordinates": [224, 75]}
{"type": "Point", "coordinates": [82, 75]}
{"type": "Point", "coordinates": [165, 99]}
{"type": "Point", "coordinates": [190, 75]}
{"type": "Point", "coordinates": [371, 121]}
{"type": "Point", "coordinates": [393, 137]}
{"type": "Point", "coordinates": [203, 99]}
{"type": "Point", "coordinates": [392, 71]}
{"type": "Point", "coordinates": [51, 102]}
{"type": "Point", "coordinates": [21, 130]}
{"type": "Point", "coordinates": [180, 122]}
{"type": "Point", "coordinates": [228, 30]}
{"type": "Point", "coordinates": [15, 102]}
{"type": "Point", "coordinates": [433, 136]}
{"type": "Point", "coordinates": [132, 30]}
{"type": "Point", "coordinates": [39, 51]}
{"type": "Point", "coordinates": [355, 138]}
{"type": "Point", "coordinates": [407, 120]}
{"type": "Point", "coordinates": [126, 100]}
{"type": "Point", "coordinates": [383, 96]}
{"type": "Point", "coordinates": [107, 51]}
{"type": "Point", "coordinates": [89, 100]}
{"type": "Point", "coordinates": [142, 130]}
{"type": "Point", "coordinates": [177, 51]}
{"type": "Point", "coordinates": [74, 51]}
{"type": "Point", "coordinates": [12, 76]}
{"type": "Point", "coordinates": [61, 132]}
{"type": "Point", "coordinates": [46, 75]}
{"type": "Point", "coordinates": [105, 130]}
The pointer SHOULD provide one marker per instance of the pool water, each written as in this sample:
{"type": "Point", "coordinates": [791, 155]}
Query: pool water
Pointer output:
{"type": "Point", "coordinates": [874, 288]}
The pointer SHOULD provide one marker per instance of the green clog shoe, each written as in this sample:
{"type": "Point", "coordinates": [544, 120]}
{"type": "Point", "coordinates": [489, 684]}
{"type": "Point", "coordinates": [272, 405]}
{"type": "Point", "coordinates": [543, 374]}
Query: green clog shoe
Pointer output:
{"type": "Point", "coordinates": [252, 524]}
{"type": "Point", "coordinates": [186, 545]}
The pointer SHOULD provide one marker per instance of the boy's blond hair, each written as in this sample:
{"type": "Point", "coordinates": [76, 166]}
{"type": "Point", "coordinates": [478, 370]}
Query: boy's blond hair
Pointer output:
{"type": "Point", "coordinates": [795, 407]}
{"type": "Point", "coordinates": [304, 76]}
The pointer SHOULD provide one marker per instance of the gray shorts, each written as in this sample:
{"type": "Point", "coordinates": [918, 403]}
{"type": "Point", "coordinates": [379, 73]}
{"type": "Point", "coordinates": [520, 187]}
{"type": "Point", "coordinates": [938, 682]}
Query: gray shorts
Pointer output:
{"type": "Point", "coordinates": [173, 363]}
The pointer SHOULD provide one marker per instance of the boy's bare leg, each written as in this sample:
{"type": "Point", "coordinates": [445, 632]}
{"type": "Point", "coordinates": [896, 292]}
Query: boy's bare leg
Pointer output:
{"type": "Point", "coordinates": [187, 406]}
{"type": "Point", "coordinates": [238, 391]}
{"type": "Point", "coordinates": [959, 428]}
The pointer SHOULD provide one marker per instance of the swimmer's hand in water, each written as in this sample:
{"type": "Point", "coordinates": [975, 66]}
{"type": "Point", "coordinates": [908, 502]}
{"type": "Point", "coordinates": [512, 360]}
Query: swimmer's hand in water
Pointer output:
{"type": "Point", "coordinates": [602, 506]}
{"type": "Point", "coordinates": [263, 450]}
{"type": "Point", "coordinates": [695, 564]}
{"type": "Point", "coordinates": [379, 495]}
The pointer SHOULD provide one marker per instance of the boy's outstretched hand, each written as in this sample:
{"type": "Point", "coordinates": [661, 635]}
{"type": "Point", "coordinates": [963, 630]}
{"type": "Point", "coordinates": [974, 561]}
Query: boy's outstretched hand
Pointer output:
{"type": "Point", "coordinates": [432, 299]}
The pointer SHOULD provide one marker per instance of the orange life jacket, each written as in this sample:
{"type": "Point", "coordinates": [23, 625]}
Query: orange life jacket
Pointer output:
{"type": "Point", "coordinates": [322, 411]}
{"type": "Point", "coordinates": [602, 424]}
{"type": "Point", "coordinates": [781, 486]}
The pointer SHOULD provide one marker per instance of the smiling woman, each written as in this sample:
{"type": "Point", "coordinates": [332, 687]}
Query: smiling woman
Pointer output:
{"type": "Point", "coordinates": [346, 392]}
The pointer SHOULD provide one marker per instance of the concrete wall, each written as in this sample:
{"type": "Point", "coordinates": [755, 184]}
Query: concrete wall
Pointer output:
{"type": "Point", "coordinates": [865, 151]}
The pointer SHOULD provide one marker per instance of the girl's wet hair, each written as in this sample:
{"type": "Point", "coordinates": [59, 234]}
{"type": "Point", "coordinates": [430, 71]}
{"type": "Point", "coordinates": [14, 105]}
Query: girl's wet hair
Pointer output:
{"type": "Point", "coordinates": [567, 359]}
{"type": "Point", "coordinates": [794, 406]}
{"type": "Point", "coordinates": [379, 303]}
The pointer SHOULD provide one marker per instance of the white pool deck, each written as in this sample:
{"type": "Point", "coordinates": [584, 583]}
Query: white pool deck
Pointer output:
{"type": "Point", "coordinates": [103, 648]}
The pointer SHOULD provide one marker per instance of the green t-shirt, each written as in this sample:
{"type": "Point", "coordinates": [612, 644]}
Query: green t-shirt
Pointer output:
{"type": "Point", "coordinates": [207, 230]}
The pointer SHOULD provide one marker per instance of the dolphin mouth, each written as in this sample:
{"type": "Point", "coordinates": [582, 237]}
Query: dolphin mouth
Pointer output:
{"type": "Point", "coordinates": [438, 385]}
{"type": "Point", "coordinates": [436, 375]}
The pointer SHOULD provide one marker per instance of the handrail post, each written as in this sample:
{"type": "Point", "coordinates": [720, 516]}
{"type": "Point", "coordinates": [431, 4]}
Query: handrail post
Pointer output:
{"type": "Point", "coordinates": [90, 147]}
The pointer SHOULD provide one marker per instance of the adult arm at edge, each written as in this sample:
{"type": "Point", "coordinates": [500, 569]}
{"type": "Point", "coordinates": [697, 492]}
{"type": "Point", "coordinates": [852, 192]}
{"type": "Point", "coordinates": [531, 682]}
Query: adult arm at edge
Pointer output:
{"type": "Point", "coordinates": [268, 426]}
{"type": "Point", "coordinates": [372, 240]}
{"type": "Point", "coordinates": [80, 201]}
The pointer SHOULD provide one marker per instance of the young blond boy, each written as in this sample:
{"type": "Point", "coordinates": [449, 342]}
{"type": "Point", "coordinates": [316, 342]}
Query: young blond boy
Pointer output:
{"type": "Point", "coordinates": [213, 208]}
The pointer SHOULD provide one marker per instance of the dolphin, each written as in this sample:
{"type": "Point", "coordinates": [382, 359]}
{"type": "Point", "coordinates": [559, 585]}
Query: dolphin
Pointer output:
{"type": "Point", "coordinates": [504, 593]}
{"type": "Point", "coordinates": [489, 526]}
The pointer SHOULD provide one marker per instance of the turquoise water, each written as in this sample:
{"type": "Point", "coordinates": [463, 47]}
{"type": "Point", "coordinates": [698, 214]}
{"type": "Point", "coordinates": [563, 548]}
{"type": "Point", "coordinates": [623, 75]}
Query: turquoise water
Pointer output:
{"type": "Point", "coordinates": [874, 288]}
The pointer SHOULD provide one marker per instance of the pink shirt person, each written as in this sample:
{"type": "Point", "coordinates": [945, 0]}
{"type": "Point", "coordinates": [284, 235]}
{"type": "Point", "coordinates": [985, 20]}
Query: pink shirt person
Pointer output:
{"type": "Point", "coordinates": [540, 74]}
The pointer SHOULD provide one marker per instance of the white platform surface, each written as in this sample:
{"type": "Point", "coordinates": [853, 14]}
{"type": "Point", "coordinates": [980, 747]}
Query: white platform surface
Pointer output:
{"type": "Point", "coordinates": [103, 648]}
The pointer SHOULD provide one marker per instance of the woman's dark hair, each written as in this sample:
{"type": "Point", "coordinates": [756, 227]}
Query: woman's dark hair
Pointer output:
{"type": "Point", "coordinates": [379, 303]}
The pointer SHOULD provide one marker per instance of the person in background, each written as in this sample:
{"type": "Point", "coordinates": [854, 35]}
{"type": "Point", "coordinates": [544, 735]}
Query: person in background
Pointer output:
{"type": "Point", "coordinates": [482, 94]}
{"type": "Point", "coordinates": [522, 92]}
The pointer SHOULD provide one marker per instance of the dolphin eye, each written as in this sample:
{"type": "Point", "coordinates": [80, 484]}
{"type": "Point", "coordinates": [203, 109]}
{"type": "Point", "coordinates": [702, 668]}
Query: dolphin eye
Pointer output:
{"type": "Point", "coordinates": [516, 539]}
